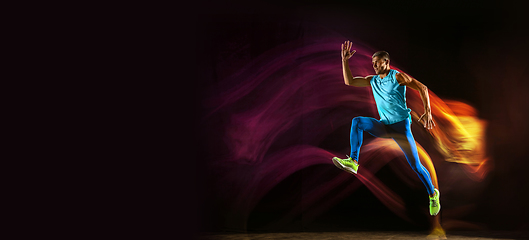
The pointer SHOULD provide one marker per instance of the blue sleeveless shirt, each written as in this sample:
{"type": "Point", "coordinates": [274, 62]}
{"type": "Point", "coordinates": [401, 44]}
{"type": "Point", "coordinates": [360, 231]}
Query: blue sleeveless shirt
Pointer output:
{"type": "Point", "coordinates": [390, 98]}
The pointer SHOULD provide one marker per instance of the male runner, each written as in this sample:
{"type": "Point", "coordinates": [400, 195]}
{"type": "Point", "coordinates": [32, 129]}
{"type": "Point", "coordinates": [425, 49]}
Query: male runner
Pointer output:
{"type": "Point", "coordinates": [389, 90]}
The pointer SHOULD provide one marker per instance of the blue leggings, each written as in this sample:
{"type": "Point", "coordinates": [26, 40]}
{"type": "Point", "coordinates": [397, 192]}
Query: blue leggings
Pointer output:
{"type": "Point", "coordinates": [401, 133]}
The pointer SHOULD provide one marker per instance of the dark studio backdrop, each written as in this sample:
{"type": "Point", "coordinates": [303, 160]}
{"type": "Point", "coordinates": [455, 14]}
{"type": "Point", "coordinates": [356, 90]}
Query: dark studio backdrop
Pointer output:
{"type": "Point", "coordinates": [470, 51]}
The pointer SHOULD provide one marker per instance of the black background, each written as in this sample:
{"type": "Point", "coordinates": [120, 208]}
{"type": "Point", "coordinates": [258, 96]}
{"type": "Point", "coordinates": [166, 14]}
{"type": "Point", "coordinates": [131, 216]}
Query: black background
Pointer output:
{"type": "Point", "coordinates": [471, 51]}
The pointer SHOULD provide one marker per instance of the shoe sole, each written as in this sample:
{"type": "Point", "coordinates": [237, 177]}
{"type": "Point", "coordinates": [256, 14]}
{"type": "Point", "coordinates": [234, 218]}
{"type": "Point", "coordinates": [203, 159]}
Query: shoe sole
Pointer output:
{"type": "Point", "coordinates": [341, 166]}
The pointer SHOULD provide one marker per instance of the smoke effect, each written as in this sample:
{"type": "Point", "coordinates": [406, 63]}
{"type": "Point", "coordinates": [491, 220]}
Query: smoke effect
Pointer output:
{"type": "Point", "coordinates": [281, 112]}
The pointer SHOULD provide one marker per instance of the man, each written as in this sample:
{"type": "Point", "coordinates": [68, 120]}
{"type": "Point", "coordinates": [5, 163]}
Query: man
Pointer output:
{"type": "Point", "coordinates": [389, 90]}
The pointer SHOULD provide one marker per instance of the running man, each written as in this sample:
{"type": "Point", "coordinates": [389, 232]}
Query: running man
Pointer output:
{"type": "Point", "coordinates": [389, 90]}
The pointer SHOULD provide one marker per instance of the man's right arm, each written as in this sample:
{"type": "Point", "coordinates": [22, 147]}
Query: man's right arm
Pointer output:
{"type": "Point", "coordinates": [347, 76]}
{"type": "Point", "coordinates": [354, 81]}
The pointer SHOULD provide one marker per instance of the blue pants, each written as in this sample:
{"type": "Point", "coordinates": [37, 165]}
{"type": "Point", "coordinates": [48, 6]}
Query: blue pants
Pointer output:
{"type": "Point", "coordinates": [401, 133]}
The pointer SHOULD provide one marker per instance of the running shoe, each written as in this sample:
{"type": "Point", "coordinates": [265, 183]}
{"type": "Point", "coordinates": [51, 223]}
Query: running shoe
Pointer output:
{"type": "Point", "coordinates": [435, 206]}
{"type": "Point", "coordinates": [347, 164]}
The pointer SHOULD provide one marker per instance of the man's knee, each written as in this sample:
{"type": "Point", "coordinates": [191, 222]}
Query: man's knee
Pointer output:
{"type": "Point", "coordinates": [357, 122]}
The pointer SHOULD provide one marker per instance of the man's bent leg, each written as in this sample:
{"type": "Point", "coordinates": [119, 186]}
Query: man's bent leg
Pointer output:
{"type": "Point", "coordinates": [358, 126]}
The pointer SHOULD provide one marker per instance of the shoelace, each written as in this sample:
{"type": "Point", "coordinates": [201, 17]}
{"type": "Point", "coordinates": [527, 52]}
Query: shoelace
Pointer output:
{"type": "Point", "coordinates": [350, 160]}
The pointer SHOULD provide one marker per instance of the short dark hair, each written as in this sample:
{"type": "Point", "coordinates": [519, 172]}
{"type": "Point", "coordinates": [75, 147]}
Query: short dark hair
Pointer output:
{"type": "Point", "coordinates": [381, 54]}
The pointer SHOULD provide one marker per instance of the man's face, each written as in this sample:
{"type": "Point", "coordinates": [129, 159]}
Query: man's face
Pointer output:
{"type": "Point", "coordinates": [380, 64]}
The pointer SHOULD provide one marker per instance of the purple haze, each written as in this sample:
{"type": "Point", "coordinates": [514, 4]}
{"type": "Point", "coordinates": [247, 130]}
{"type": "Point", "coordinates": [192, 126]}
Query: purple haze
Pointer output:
{"type": "Point", "coordinates": [274, 113]}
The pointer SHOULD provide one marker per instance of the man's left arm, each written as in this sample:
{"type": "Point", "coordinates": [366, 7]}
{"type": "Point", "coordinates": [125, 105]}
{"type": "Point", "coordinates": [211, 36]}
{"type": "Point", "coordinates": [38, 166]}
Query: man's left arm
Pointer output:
{"type": "Point", "coordinates": [405, 79]}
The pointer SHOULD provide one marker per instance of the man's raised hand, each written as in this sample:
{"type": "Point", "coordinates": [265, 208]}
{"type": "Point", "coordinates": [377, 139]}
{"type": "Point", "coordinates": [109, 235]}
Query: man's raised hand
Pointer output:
{"type": "Point", "coordinates": [346, 50]}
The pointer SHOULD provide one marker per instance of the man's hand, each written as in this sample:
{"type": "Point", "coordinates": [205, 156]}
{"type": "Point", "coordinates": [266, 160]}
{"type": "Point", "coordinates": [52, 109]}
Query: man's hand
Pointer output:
{"type": "Point", "coordinates": [346, 50]}
{"type": "Point", "coordinates": [348, 78]}
{"type": "Point", "coordinates": [428, 120]}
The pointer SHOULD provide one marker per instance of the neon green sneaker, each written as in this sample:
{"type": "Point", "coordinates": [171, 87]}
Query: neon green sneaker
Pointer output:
{"type": "Point", "coordinates": [347, 164]}
{"type": "Point", "coordinates": [435, 206]}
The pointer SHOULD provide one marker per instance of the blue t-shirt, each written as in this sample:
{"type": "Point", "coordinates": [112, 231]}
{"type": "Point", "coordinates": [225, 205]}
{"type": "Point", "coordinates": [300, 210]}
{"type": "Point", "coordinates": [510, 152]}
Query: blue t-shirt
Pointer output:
{"type": "Point", "coordinates": [390, 97]}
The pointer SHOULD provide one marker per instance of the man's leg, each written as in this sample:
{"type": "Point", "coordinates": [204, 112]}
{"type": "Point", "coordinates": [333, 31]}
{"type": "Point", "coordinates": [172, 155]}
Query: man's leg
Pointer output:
{"type": "Point", "coordinates": [358, 126]}
{"type": "Point", "coordinates": [406, 142]}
